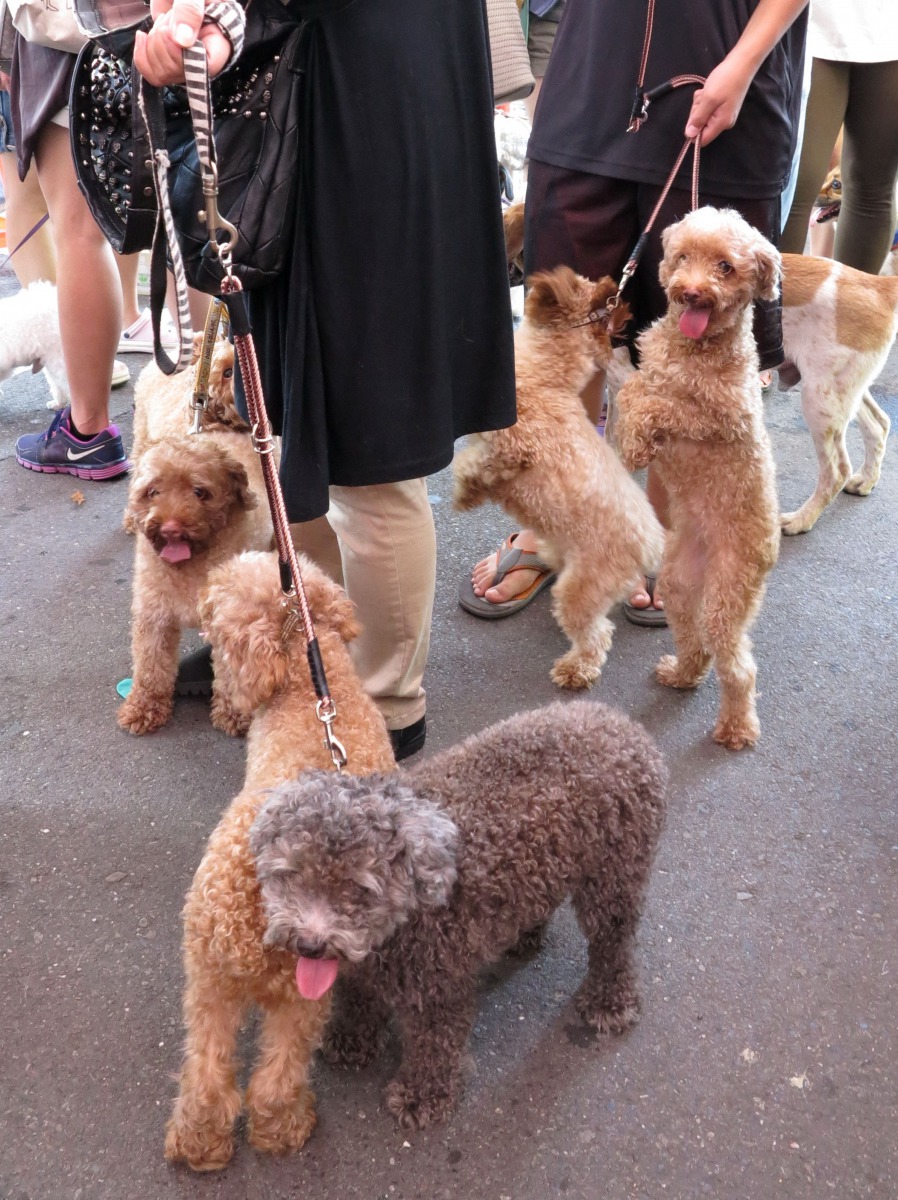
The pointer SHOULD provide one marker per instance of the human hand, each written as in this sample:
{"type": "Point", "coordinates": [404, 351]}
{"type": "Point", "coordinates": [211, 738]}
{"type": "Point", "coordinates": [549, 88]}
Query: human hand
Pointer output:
{"type": "Point", "coordinates": [4, 82]}
{"type": "Point", "coordinates": [716, 105]}
{"type": "Point", "coordinates": [177, 24]}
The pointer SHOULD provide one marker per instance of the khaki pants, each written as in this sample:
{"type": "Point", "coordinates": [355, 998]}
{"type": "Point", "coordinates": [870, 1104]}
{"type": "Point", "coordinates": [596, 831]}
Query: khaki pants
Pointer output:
{"type": "Point", "coordinates": [379, 542]}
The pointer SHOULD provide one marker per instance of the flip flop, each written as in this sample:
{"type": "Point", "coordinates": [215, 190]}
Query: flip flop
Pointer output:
{"type": "Point", "coordinates": [510, 559]}
{"type": "Point", "coordinates": [654, 617]}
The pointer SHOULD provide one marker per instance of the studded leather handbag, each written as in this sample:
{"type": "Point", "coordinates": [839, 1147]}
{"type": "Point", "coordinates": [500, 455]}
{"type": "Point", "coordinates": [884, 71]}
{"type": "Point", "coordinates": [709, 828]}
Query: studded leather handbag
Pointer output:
{"type": "Point", "coordinates": [256, 124]}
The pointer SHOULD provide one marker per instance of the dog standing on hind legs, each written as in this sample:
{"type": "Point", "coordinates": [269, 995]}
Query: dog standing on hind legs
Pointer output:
{"type": "Point", "coordinates": [553, 473]}
{"type": "Point", "coordinates": [260, 661]}
{"type": "Point", "coordinates": [694, 410]}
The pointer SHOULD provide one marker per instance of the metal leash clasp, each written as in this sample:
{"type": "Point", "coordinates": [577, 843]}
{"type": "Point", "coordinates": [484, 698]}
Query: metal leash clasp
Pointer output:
{"type": "Point", "coordinates": [214, 221]}
{"type": "Point", "coordinates": [326, 712]}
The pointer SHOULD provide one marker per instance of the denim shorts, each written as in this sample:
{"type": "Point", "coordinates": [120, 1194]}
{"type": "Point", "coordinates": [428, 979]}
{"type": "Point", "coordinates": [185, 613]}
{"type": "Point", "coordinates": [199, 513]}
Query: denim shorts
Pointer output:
{"type": "Point", "coordinates": [7, 141]}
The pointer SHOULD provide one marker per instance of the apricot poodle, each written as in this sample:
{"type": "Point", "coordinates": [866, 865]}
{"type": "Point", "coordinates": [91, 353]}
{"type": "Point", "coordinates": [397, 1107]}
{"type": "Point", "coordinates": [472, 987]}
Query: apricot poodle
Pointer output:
{"type": "Point", "coordinates": [230, 965]}
{"type": "Point", "coordinates": [399, 887]}
{"type": "Point", "coordinates": [162, 402]}
{"type": "Point", "coordinates": [553, 473]}
{"type": "Point", "coordinates": [196, 500]}
{"type": "Point", "coordinates": [694, 410]}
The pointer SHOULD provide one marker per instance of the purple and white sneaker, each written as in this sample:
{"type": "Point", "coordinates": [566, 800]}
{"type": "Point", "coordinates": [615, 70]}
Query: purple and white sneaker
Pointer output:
{"type": "Point", "coordinates": [58, 452]}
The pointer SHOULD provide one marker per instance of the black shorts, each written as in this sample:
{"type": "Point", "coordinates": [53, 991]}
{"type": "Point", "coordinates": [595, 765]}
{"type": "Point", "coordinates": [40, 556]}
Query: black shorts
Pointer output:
{"type": "Point", "coordinates": [592, 222]}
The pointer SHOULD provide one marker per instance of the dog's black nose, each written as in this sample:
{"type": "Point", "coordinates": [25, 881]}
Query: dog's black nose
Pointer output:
{"type": "Point", "coordinates": [309, 949]}
{"type": "Point", "coordinates": [691, 297]}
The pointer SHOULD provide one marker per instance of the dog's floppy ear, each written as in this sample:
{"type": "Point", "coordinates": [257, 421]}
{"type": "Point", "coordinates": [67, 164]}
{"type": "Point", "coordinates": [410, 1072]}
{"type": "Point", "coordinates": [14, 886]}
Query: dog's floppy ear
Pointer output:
{"type": "Point", "coordinates": [238, 481]}
{"type": "Point", "coordinates": [669, 238]}
{"type": "Point", "coordinates": [430, 840]}
{"type": "Point", "coordinates": [513, 221]}
{"type": "Point", "coordinates": [330, 607]}
{"type": "Point", "coordinates": [768, 269]}
{"type": "Point", "coordinates": [243, 615]}
{"type": "Point", "coordinates": [554, 297]}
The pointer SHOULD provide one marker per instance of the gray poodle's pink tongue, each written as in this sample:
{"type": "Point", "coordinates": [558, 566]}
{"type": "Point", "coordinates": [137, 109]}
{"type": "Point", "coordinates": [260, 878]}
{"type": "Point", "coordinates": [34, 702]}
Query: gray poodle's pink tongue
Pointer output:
{"type": "Point", "coordinates": [694, 321]}
{"type": "Point", "coordinates": [315, 976]}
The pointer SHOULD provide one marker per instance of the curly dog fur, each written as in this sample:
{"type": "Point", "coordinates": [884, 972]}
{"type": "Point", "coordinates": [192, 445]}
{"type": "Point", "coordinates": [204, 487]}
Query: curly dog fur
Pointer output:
{"type": "Point", "coordinates": [196, 500]}
{"type": "Point", "coordinates": [403, 886]}
{"type": "Point", "coordinates": [162, 402]}
{"type": "Point", "coordinates": [228, 967]}
{"type": "Point", "coordinates": [694, 410]}
{"type": "Point", "coordinates": [553, 473]}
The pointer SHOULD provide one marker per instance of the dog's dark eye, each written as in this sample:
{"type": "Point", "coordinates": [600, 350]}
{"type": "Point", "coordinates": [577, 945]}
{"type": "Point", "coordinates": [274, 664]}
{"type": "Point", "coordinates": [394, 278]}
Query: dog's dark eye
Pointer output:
{"type": "Point", "coordinates": [151, 492]}
{"type": "Point", "coordinates": [201, 493]}
{"type": "Point", "coordinates": [681, 258]}
{"type": "Point", "coordinates": [724, 267]}
{"type": "Point", "coordinates": [227, 373]}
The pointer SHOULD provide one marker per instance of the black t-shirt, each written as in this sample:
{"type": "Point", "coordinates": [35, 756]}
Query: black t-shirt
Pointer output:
{"type": "Point", "coordinates": [587, 95]}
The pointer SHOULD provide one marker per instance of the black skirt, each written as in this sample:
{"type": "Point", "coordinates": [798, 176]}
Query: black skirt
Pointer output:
{"type": "Point", "coordinates": [390, 336]}
{"type": "Point", "coordinates": [40, 82]}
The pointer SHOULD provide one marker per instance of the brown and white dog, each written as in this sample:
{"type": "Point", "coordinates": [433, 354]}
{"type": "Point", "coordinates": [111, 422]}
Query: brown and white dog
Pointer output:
{"type": "Point", "coordinates": [838, 327]}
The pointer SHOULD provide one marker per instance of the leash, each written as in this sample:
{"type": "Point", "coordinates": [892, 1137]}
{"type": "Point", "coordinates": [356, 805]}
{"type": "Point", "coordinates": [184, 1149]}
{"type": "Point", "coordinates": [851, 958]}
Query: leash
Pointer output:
{"type": "Point", "coordinates": [200, 398]}
{"type": "Point", "coordinates": [642, 100]}
{"type": "Point", "coordinates": [222, 239]}
{"type": "Point", "coordinates": [28, 236]}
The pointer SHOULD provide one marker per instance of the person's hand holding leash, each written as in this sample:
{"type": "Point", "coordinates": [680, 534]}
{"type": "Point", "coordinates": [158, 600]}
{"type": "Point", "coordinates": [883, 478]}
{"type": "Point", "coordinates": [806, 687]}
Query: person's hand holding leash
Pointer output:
{"type": "Point", "coordinates": [177, 24]}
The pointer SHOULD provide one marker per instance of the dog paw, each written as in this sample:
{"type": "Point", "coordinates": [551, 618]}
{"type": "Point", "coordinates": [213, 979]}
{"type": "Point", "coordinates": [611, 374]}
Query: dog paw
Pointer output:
{"type": "Point", "coordinates": [609, 1009]}
{"type": "Point", "coordinates": [203, 1148]}
{"type": "Point", "coordinates": [284, 1130]}
{"type": "Point", "coordinates": [138, 715]}
{"type": "Point", "coordinates": [672, 673]}
{"type": "Point", "coordinates": [412, 1109]}
{"type": "Point", "coordinates": [859, 485]}
{"type": "Point", "coordinates": [228, 720]}
{"type": "Point", "coordinates": [574, 672]}
{"type": "Point", "coordinates": [737, 735]}
{"type": "Point", "coordinates": [793, 523]}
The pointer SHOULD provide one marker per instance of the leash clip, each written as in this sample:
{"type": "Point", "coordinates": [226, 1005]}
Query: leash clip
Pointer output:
{"type": "Point", "coordinates": [214, 221]}
{"type": "Point", "coordinates": [639, 111]}
{"type": "Point", "coordinates": [326, 712]}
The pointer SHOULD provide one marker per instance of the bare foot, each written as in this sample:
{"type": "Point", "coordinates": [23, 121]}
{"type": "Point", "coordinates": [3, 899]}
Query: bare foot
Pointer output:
{"type": "Point", "coordinates": [515, 582]}
{"type": "Point", "coordinates": [643, 598]}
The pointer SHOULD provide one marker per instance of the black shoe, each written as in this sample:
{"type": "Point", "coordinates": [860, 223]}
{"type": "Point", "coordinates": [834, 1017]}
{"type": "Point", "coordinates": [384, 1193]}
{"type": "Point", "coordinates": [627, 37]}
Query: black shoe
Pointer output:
{"type": "Point", "coordinates": [195, 673]}
{"type": "Point", "coordinates": [410, 740]}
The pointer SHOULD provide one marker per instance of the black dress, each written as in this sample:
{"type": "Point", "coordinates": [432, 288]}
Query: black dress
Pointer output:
{"type": "Point", "coordinates": [390, 336]}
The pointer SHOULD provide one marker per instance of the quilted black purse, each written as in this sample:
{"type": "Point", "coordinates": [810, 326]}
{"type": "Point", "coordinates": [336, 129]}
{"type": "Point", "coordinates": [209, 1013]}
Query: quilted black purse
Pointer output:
{"type": "Point", "coordinates": [256, 126]}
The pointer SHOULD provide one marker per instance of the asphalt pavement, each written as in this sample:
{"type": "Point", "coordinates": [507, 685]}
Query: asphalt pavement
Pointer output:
{"type": "Point", "coordinates": [765, 1061]}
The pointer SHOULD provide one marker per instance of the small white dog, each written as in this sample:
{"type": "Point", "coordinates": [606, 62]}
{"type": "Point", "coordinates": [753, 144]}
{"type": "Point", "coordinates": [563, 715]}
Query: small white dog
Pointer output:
{"type": "Point", "coordinates": [29, 337]}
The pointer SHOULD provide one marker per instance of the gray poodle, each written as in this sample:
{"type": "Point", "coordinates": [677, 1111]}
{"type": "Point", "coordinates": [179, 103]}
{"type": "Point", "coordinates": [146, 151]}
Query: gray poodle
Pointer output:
{"type": "Point", "coordinates": [407, 884]}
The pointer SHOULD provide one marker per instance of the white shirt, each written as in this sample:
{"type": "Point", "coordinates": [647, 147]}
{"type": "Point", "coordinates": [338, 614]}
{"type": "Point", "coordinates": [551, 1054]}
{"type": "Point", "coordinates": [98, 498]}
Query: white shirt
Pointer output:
{"type": "Point", "coordinates": [857, 31]}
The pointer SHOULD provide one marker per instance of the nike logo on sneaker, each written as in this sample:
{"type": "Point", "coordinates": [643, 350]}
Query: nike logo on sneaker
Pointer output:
{"type": "Point", "coordinates": [72, 456]}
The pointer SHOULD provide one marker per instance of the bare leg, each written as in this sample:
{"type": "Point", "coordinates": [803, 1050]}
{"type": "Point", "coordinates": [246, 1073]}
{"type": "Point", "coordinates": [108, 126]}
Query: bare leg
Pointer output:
{"type": "Point", "coordinates": [200, 1131]}
{"type": "Point", "coordinates": [658, 499]}
{"type": "Point", "coordinates": [280, 1106]}
{"type": "Point", "coordinates": [127, 265]}
{"type": "Point", "coordinates": [87, 283]}
{"type": "Point", "coordinates": [25, 205]}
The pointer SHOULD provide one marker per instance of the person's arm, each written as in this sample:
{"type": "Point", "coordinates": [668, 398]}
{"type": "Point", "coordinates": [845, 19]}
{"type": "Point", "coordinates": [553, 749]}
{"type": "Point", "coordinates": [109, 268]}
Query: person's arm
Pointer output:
{"type": "Point", "coordinates": [716, 105]}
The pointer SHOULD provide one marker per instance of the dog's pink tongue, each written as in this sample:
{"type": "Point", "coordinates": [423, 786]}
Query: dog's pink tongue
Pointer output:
{"type": "Point", "coordinates": [175, 552]}
{"type": "Point", "coordinates": [694, 321]}
{"type": "Point", "coordinates": [315, 976]}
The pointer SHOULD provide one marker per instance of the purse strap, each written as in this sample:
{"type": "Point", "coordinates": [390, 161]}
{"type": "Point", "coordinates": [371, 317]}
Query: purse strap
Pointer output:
{"type": "Point", "coordinates": [222, 239]}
